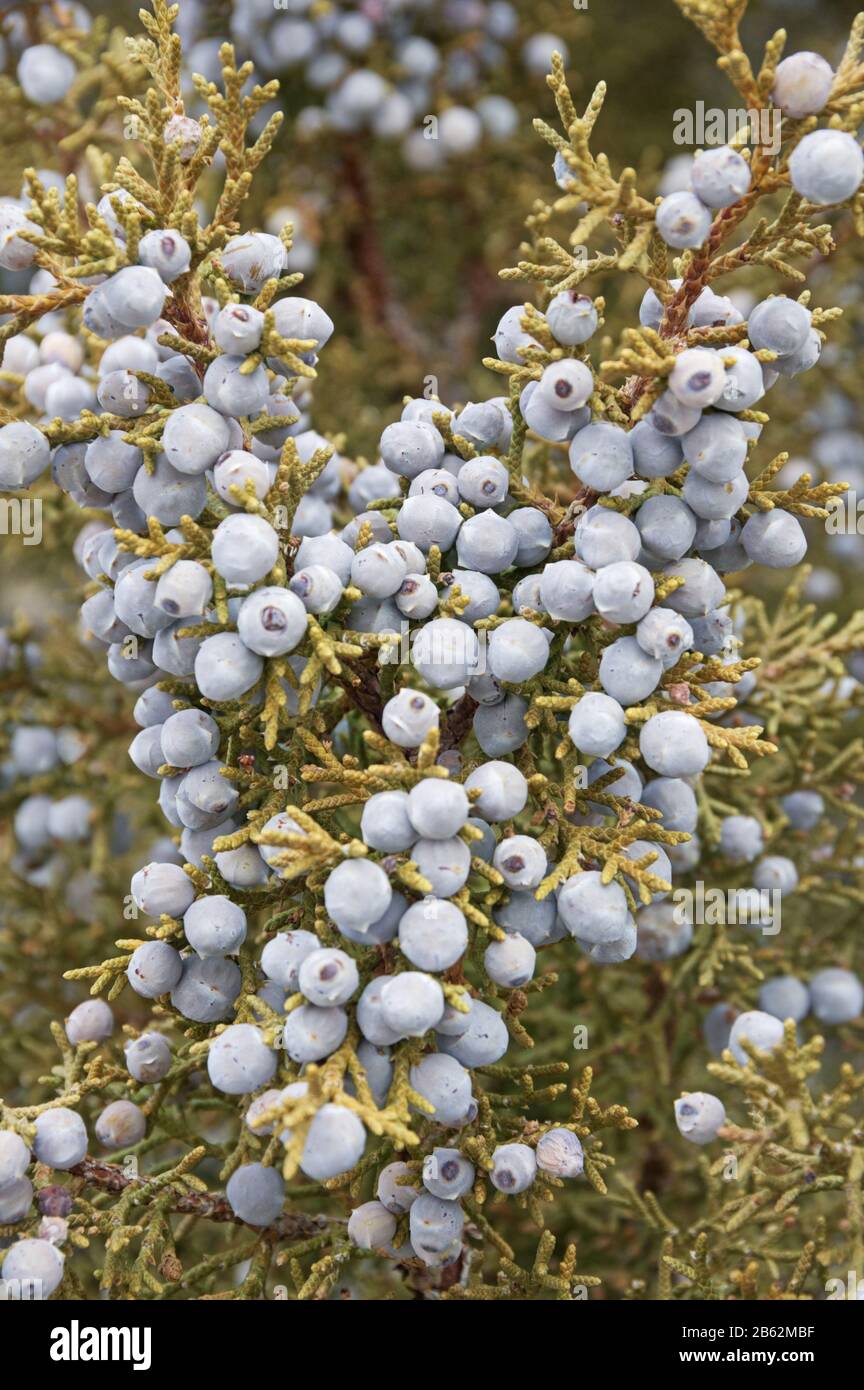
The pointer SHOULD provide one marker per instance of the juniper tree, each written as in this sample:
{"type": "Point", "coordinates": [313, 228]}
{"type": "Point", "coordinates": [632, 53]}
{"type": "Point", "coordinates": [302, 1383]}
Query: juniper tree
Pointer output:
{"type": "Point", "coordinates": [445, 778]}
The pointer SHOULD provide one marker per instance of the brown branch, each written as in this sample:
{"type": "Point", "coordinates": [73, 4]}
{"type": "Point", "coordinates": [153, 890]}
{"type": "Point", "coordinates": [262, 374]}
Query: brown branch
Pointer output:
{"type": "Point", "coordinates": [584, 498]}
{"type": "Point", "coordinates": [676, 313]}
{"type": "Point", "coordinates": [372, 290]}
{"type": "Point", "coordinates": [364, 691]}
{"type": "Point", "coordinates": [457, 723]}
{"type": "Point", "coordinates": [211, 1206]}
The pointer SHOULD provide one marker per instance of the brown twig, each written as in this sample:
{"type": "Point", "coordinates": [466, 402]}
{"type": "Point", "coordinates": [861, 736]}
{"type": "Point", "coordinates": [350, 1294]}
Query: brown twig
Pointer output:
{"type": "Point", "coordinates": [364, 691]}
{"type": "Point", "coordinates": [211, 1206]}
{"type": "Point", "coordinates": [372, 290]}
{"type": "Point", "coordinates": [457, 723]}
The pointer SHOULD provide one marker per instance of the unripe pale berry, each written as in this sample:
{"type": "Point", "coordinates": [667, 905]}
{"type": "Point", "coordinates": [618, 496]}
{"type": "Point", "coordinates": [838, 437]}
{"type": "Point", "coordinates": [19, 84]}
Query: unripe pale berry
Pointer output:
{"type": "Point", "coordinates": [683, 220]}
{"type": "Point", "coordinates": [408, 717]}
{"type": "Point", "coordinates": [32, 1264]}
{"type": "Point", "coordinates": [517, 650]}
{"type": "Point", "coordinates": [699, 1115]}
{"type": "Point", "coordinates": [148, 1057]}
{"type": "Point", "coordinates": [284, 954]}
{"type": "Point", "coordinates": [154, 969]}
{"type": "Point", "coordinates": [802, 84]}
{"type": "Point", "coordinates": [207, 989]}
{"type": "Point", "coordinates": [91, 1021]}
{"type": "Point", "coordinates": [120, 1125]}
{"type": "Point", "coordinates": [411, 1003]}
{"type": "Point", "coordinates": [521, 861]}
{"type": "Point", "coordinates": [435, 1225]}
{"type": "Point", "coordinates": [503, 790]}
{"type": "Point", "coordinates": [623, 592]}
{"type": "Point", "coordinates": [597, 724]}
{"type": "Point", "coordinates": [559, 1152]}
{"type": "Point", "coordinates": [673, 744]}
{"type": "Point", "coordinates": [371, 1226]}
{"type": "Point", "coordinates": [433, 935]}
{"type": "Point", "coordinates": [255, 1193]}
{"type": "Point", "coordinates": [697, 378]}
{"type": "Point", "coordinates": [720, 176]}
{"type": "Point", "coordinates": [215, 926]}
{"type": "Point", "coordinates": [601, 456]}
{"type": "Point", "coordinates": [446, 1085]}
{"type": "Point", "coordinates": [385, 823]}
{"type": "Point", "coordinates": [61, 1138]}
{"type": "Point", "coordinates": [779, 324]}
{"type": "Point", "coordinates": [761, 1030]}
{"type": "Point", "coordinates": [356, 893]}
{"type": "Point", "coordinates": [14, 1157]}
{"type": "Point", "coordinates": [447, 1174]}
{"type": "Point", "coordinates": [483, 1042]}
{"type": "Point", "coordinates": [571, 317]}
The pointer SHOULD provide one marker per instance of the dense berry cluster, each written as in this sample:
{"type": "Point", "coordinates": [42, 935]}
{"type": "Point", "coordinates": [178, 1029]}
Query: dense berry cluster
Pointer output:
{"type": "Point", "coordinates": [347, 679]}
{"type": "Point", "coordinates": [826, 167]}
{"type": "Point", "coordinates": [418, 74]}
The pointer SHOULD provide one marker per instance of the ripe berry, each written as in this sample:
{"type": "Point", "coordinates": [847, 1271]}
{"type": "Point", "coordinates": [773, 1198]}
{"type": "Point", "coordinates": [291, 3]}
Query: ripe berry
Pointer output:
{"type": "Point", "coordinates": [601, 456]}
{"type": "Point", "coordinates": [483, 1042]}
{"type": "Point", "coordinates": [272, 621]}
{"type": "Point", "coordinates": [510, 962]}
{"type": "Point", "coordinates": [837, 996]}
{"type": "Point", "coordinates": [334, 1143]}
{"type": "Point", "coordinates": [255, 1194]}
{"type": "Point", "coordinates": [514, 1168]}
{"type": "Point", "coordinates": [327, 977]}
